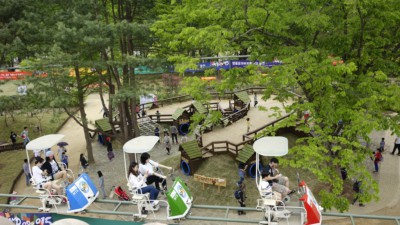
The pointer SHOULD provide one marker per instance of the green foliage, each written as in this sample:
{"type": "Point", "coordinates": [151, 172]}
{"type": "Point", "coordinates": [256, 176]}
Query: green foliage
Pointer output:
{"type": "Point", "coordinates": [196, 88]}
{"type": "Point", "coordinates": [215, 117]}
{"type": "Point", "coordinates": [310, 38]}
{"type": "Point", "coordinates": [195, 120]}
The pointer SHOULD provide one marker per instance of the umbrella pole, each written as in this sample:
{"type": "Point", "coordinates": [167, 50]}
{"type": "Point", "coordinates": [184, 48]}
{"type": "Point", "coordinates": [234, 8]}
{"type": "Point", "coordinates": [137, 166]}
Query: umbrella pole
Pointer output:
{"type": "Point", "coordinates": [126, 170]}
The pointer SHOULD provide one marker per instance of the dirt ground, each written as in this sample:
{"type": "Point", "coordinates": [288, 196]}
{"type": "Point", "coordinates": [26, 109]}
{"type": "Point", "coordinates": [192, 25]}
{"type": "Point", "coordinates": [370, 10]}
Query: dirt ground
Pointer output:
{"type": "Point", "coordinates": [114, 171]}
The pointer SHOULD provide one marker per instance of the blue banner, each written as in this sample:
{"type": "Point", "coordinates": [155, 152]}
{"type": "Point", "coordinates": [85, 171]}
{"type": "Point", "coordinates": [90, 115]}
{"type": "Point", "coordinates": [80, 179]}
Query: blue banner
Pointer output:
{"type": "Point", "coordinates": [229, 64]}
{"type": "Point", "coordinates": [81, 193]}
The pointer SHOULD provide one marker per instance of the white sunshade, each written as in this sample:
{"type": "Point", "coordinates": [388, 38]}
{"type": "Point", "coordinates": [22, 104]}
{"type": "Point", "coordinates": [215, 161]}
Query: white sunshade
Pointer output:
{"type": "Point", "coordinates": [271, 146]}
{"type": "Point", "coordinates": [44, 142]}
{"type": "Point", "coordinates": [140, 144]}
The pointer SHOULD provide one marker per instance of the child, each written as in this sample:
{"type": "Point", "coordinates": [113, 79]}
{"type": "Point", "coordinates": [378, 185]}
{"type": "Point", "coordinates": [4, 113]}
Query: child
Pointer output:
{"type": "Point", "coordinates": [167, 143]}
{"type": "Point", "coordinates": [377, 159]}
{"type": "Point", "coordinates": [242, 173]}
{"type": "Point", "coordinates": [110, 154]}
{"type": "Point", "coordinates": [64, 159]}
{"type": "Point", "coordinates": [157, 132]}
{"type": "Point", "coordinates": [382, 144]}
{"type": "Point", "coordinates": [101, 183]}
{"type": "Point", "coordinates": [240, 196]}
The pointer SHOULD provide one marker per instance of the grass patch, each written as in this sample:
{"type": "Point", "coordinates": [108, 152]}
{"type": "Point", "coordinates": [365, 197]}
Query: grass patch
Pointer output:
{"type": "Point", "coordinates": [11, 162]}
{"type": "Point", "coordinates": [11, 166]}
{"type": "Point", "coordinates": [50, 122]}
{"type": "Point", "coordinates": [9, 87]}
{"type": "Point", "coordinates": [223, 166]}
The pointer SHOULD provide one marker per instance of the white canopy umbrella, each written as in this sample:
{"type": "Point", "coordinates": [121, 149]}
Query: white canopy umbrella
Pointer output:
{"type": "Point", "coordinates": [42, 143]}
{"type": "Point", "coordinates": [139, 144]}
{"type": "Point", "coordinates": [270, 146]}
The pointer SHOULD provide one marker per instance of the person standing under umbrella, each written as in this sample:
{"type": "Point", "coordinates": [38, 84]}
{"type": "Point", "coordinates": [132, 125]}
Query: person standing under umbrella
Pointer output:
{"type": "Point", "coordinates": [61, 150]}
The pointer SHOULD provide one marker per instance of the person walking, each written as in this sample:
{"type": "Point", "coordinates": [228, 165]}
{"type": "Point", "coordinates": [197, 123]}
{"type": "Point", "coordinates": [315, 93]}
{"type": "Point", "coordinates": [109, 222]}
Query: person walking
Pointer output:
{"type": "Point", "coordinates": [358, 190]}
{"type": "Point", "coordinates": [255, 100]}
{"type": "Point", "coordinates": [167, 143]}
{"type": "Point", "coordinates": [174, 134]}
{"type": "Point", "coordinates": [396, 146]}
{"type": "Point", "coordinates": [101, 183]}
{"type": "Point", "coordinates": [84, 162]}
{"type": "Point", "coordinates": [24, 135]}
{"type": "Point", "coordinates": [240, 196]}
{"type": "Point", "coordinates": [157, 132]}
{"type": "Point", "coordinates": [248, 124]}
{"type": "Point", "coordinates": [377, 159]}
{"type": "Point", "coordinates": [27, 173]}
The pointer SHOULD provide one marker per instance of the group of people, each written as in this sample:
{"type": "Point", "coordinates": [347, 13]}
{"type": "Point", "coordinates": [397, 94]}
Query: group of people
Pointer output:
{"type": "Point", "coordinates": [23, 135]}
{"type": "Point", "coordinates": [272, 184]}
{"type": "Point", "coordinates": [142, 175]}
{"type": "Point", "coordinates": [167, 140]}
{"type": "Point", "coordinates": [46, 172]}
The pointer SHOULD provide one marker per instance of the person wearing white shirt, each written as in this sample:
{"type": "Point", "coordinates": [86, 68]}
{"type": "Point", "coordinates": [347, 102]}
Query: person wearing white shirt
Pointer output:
{"type": "Point", "coordinates": [138, 181]}
{"type": "Point", "coordinates": [38, 177]}
{"type": "Point", "coordinates": [396, 146]}
{"type": "Point", "coordinates": [266, 188]}
{"type": "Point", "coordinates": [147, 167]}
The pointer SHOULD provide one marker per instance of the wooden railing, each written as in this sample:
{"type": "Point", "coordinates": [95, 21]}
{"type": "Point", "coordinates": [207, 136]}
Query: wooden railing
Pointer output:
{"type": "Point", "coordinates": [238, 115]}
{"type": "Point", "coordinates": [250, 135]}
{"type": "Point", "coordinates": [214, 95]}
{"type": "Point", "coordinates": [219, 147]}
{"type": "Point", "coordinates": [12, 147]}
{"type": "Point", "coordinates": [163, 118]}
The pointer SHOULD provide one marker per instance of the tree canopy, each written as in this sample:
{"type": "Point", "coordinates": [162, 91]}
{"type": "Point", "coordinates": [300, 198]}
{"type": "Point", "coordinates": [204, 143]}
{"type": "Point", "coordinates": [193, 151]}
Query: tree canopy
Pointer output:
{"type": "Point", "coordinates": [341, 56]}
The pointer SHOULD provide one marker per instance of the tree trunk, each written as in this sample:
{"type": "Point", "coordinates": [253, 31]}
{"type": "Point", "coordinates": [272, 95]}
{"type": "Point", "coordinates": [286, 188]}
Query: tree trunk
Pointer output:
{"type": "Point", "coordinates": [81, 99]}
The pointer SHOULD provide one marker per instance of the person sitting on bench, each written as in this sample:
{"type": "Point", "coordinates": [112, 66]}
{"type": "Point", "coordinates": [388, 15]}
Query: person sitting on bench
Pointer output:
{"type": "Point", "coordinates": [53, 169]}
{"type": "Point", "coordinates": [41, 183]}
{"type": "Point", "coordinates": [278, 182]}
{"type": "Point", "coordinates": [146, 167]}
{"type": "Point", "coordinates": [266, 189]}
{"type": "Point", "coordinates": [138, 182]}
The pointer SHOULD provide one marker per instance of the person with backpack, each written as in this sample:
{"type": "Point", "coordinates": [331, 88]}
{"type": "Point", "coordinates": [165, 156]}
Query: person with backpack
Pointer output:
{"type": "Point", "coordinates": [240, 197]}
{"type": "Point", "coordinates": [377, 159]}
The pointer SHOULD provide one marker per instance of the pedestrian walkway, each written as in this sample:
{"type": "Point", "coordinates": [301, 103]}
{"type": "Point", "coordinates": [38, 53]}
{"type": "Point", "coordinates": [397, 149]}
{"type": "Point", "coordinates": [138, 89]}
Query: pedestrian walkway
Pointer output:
{"type": "Point", "coordinates": [114, 171]}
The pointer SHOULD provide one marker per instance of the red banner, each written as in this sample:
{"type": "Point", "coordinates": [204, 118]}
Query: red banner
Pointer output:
{"type": "Point", "coordinates": [6, 75]}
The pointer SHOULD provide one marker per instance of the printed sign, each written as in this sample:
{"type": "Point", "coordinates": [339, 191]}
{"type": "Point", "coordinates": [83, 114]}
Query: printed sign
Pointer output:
{"type": "Point", "coordinates": [81, 193]}
{"type": "Point", "coordinates": [29, 218]}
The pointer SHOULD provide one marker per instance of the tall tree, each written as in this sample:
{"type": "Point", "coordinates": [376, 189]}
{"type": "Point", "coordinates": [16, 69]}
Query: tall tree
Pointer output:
{"type": "Point", "coordinates": [312, 38]}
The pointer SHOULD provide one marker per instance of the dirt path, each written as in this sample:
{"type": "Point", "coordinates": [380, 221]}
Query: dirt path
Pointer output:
{"type": "Point", "coordinates": [114, 171]}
